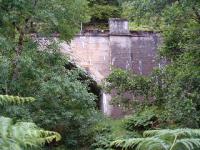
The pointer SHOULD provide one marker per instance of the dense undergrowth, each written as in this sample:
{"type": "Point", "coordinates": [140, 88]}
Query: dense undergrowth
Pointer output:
{"type": "Point", "coordinates": [169, 97]}
{"type": "Point", "coordinates": [65, 101]}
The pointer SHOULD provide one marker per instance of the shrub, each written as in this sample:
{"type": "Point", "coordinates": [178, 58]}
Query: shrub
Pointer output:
{"type": "Point", "coordinates": [142, 120]}
{"type": "Point", "coordinates": [108, 130]}
{"type": "Point", "coordinates": [22, 135]}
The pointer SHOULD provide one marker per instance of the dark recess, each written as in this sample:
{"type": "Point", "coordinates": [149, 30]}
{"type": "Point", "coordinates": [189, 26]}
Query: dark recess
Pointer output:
{"type": "Point", "coordinates": [92, 84]}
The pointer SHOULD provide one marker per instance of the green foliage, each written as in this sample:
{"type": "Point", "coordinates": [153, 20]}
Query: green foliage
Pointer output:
{"type": "Point", "coordinates": [141, 11]}
{"type": "Point", "coordinates": [174, 91]}
{"type": "Point", "coordinates": [102, 135]}
{"type": "Point", "coordinates": [23, 135]}
{"type": "Point", "coordinates": [184, 139]}
{"type": "Point", "coordinates": [46, 17]}
{"type": "Point", "coordinates": [6, 99]}
{"type": "Point", "coordinates": [133, 26]}
{"type": "Point", "coordinates": [64, 101]}
{"type": "Point", "coordinates": [175, 87]}
{"type": "Point", "coordinates": [127, 83]}
{"type": "Point", "coordinates": [102, 10]}
{"type": "Point", "coordinates": [108, 130]}
{"type": "Point", "coordinates": [145, 119]}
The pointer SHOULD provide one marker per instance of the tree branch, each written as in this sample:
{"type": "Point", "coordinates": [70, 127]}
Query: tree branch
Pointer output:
{"type": "Point", "coordinates": [19, 47]}
{"type": "Point", "coordinates": [197, 14]}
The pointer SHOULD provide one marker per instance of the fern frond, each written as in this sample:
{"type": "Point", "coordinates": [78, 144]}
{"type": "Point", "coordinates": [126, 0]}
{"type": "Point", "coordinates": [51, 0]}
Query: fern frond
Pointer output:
{"type": "Point", "coordinates": [152, 143]}
{"type": "Point", "coordinates": [131, 143]}
{"type": "Point", "coordinates": [117, 143]}
{"type": "Point", "coordinates": [151, 133]}
{"type": "Point", "coordinates": [189, 143]}
{"type": "Point", "coordinates": [140, 144]}
{"type": "Point", "coordinates": [24, 134]}
{"type": "Point", "coordinates": [126, 143]}
{"type": "Point", "coordinates": [14, 100]}
{"type": "Point", "coordinates": [4, 126]}
{"type": "Point", "coordinates": [177, 132]}
{"type": "Point", "coordinates": [165, 139]}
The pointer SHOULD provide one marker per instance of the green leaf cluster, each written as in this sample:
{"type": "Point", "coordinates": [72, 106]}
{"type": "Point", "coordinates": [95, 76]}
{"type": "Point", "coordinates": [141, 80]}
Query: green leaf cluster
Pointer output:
{"type": "Point", "coordinates": [184, 139]}
{"type": "Point", "coordinates": [6, 99]}
{"type": "Point", "coordinates": [22, 135]}
{"type": "Point", "coordinates": [102, 10]}
{"type": "Point", "coordinates": [65, 103]}
{"type": "Point", "coordinates": [146, 118]}
{"type": "Point", "coordinates": [174, 88]}
{"type": "Point", "coordinates": [108, 130]}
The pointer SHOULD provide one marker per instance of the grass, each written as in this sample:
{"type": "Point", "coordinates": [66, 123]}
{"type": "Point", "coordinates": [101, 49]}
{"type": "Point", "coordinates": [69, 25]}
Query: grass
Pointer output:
{"type": "Point", "coordinates": [135, 27]}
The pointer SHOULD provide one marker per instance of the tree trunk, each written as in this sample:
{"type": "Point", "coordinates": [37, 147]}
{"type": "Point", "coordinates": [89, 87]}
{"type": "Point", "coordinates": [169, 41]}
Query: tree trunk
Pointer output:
{"type": "Point", "coordinates": [18, 52]}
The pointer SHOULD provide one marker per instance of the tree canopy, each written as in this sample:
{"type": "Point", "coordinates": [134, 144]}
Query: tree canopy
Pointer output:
{"type": "Point", "coordinates": [65, 102]}
{"type": "Point", "coordinates": [174, 88]}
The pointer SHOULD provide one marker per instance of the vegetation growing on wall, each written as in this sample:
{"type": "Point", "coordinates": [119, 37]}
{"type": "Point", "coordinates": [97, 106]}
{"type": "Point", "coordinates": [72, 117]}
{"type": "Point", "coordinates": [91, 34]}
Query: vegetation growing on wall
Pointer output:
{"type": "Point", "coordinates": [66, 101]}
{"type": "Point", "coordinates": [101, 11]}
{"type": "Point", "coordinates": [174, 89]}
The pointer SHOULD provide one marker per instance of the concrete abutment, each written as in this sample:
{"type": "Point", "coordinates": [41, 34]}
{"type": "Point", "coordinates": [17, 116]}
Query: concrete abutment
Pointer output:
{"type": "Point", "coordinates": [96, 52]}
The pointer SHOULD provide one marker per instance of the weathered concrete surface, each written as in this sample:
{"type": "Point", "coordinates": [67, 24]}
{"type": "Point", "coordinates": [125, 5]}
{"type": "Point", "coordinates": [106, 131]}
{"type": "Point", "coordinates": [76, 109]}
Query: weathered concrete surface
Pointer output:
{"type": "Point", "coordinates": [97, 51]}
{"type": "Point", "coordinates": [118, 26]}
{"type": "Point", "coordinates": [120, 47]}
{"type": "Point", "coordinates": [91, 53]}
{"type": "Point", "coordinates": [96, 54]}
{"type": "Point", "coordinates": [144, 52]}
{"type": "Point", "coordinates": [137, 52]}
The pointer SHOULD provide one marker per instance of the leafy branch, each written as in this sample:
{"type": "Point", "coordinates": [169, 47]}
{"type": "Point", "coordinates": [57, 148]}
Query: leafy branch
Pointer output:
{"type": "Point", "coordinates": [6, 99]}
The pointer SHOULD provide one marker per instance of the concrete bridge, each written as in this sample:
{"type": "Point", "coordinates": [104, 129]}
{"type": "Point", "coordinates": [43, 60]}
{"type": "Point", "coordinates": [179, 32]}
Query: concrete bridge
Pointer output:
{"type": "Point", "coordinates": [96, 51]}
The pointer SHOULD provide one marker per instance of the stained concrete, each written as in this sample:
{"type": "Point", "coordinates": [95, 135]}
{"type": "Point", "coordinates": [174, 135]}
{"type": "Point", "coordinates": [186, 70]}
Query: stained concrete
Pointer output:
{"type": "Point", "coordinates": [91, 53]}
{"type": "Point", "coordinates": [118, 26]}
{"type": "Point", "coordinates": [97, 51]}
{"type": "Point", "coordinates": [136, 52]}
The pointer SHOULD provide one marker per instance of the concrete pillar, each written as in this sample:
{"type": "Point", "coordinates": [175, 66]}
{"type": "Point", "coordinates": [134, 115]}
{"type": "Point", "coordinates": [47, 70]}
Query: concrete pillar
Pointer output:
{"type": "Point", "coordinates": [118, 26]}
{"type": "Point", "coordinates": [120, 44]}
{"type": "Point", "coordinates": [120, 51]}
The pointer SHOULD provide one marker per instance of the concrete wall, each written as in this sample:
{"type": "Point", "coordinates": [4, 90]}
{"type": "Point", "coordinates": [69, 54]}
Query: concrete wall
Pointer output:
{"type": "Point", "coordinates": [144, 46]}
{"type": "Point", "coordinates": [92, 53]}
{"type": "Point", "coordinates": [97, 51]}
{"type": "Point", "coordinates": [118, 26]}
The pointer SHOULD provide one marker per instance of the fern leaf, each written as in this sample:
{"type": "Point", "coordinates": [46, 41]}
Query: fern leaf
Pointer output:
{"type": "Point", "coordinates": [16, 100]}
{"type": "Point", "coordinates": [189, 143]}
{"type": "Point", "coordinates": [131, 143]}
{"type": "Point", "coordinates": [140, 144]}
{"type": "Point", "coordinates": [162, 140]}
{"type": "Point", "coordinates": [4, 126]}
{"type": "Point", "coordinates": [152, 144]}
{"type": "Point", "coordinates": [118, 143]}
{"type": "Point", "coordinates": [24, 134]}
{"type": "Point", "coordinates": [151, 133]}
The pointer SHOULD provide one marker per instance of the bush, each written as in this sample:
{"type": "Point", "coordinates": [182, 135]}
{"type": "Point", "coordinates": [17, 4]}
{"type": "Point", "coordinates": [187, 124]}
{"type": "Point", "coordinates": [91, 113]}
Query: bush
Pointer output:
{"type": "Point", "coordinates": [108, 130]}
{"type": "Point", "coordinates": [22, 135]}
{"type": "Point", "coordinates": [145, 119]}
